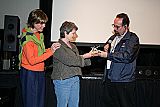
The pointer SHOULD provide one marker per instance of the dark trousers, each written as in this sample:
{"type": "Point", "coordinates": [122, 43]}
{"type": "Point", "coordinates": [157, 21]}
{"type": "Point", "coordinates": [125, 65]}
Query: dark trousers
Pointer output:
{"type": "Point", "coordinates": [119, 94]}
{"type": "Point", "coordinates": [33, 88]}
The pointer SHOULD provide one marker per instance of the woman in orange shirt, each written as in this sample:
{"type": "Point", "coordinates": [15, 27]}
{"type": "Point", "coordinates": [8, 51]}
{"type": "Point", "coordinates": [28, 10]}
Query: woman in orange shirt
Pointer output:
{"type": "Point", "coordinates": [32, 56]}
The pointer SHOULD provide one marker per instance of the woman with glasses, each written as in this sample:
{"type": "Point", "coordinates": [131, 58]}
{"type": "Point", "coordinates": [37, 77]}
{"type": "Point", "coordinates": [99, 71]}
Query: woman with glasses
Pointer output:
{"type": "Point", "coordinates": [32, 56]}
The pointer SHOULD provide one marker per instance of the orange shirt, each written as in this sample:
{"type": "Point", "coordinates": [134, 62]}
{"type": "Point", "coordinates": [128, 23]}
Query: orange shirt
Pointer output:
{"type": "Point", "coordinates": [31, 60]}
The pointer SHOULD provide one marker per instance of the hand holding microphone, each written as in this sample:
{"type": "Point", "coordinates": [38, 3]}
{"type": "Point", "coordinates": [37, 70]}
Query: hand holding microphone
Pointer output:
{"type": "Point", "coordinates": [107, 46]}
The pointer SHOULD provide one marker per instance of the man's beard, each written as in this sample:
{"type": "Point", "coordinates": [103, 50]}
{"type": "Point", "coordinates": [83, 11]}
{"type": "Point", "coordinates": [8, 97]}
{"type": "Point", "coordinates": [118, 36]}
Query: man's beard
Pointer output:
{"type": "Point", "coordinates": [116, 33]}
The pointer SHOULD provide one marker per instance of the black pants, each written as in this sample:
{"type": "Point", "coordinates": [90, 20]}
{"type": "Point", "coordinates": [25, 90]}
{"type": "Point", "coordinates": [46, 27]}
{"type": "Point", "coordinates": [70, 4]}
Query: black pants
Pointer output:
{"type": "Point", "coordinates": [119, 94]}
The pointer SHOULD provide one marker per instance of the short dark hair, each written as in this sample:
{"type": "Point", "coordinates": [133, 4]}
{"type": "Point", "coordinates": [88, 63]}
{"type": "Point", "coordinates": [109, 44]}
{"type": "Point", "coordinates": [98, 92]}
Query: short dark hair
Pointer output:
{"type": "Point", "coordinates": [125, 18]}
{"type": "Point", "coordinates": [68, 27]}
{"type": "Point", "coordinates": [36, 16]}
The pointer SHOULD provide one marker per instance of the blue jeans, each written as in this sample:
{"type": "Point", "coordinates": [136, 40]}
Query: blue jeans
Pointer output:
{"type": "Point", "coordinates": [67, 92]}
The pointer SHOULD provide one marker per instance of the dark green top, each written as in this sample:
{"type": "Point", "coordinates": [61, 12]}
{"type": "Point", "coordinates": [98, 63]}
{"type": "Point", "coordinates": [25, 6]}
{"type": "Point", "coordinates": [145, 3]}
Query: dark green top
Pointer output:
{"type": "Point", "coordinates": [67, 62]}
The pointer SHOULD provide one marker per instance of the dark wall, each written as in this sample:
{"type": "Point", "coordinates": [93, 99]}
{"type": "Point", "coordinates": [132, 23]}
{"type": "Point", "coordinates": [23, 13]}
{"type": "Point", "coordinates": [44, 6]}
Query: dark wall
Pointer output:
{"type": "Point", "coordinates": [1, 38]}
{"type": "Point", "coordinates": [46, 6]}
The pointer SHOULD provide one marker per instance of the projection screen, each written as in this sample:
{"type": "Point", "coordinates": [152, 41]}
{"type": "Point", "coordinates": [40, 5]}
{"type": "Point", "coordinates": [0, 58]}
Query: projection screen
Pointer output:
{"type": "Point", "coordinates": [95, 17]}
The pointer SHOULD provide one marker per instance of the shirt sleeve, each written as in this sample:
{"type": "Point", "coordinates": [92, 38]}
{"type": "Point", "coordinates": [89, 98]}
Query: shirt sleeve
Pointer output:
{"type": "Point", "coordinates": [69, 58]}
{"type": "Point", "coordinates": [30, 49]}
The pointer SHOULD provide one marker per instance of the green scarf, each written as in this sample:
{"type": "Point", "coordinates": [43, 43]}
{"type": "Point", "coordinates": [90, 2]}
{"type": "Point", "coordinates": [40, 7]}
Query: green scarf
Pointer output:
{"type": "Point", "coordinates": [28, 35]}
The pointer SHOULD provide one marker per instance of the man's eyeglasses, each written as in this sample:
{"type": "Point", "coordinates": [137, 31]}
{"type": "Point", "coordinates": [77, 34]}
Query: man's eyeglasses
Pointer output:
{"type": "Point", "coordinates": [116, 26]}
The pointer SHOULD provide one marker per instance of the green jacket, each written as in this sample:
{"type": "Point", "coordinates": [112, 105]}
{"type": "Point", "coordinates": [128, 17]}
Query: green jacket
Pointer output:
{"type": "Point", "coordinates": [67, 62]}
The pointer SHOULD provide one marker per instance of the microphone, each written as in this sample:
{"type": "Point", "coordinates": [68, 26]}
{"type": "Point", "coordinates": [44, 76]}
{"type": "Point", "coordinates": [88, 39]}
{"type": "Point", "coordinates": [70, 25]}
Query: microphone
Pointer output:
{"type": "Point", "coordinates": [107, 46]}
{"type": "Point", "coordinates": [109, 41]}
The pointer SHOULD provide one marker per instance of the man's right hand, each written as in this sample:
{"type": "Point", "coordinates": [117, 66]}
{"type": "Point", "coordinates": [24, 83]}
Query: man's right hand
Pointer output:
{"type": "Point", "coordinates": [106, 47]}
